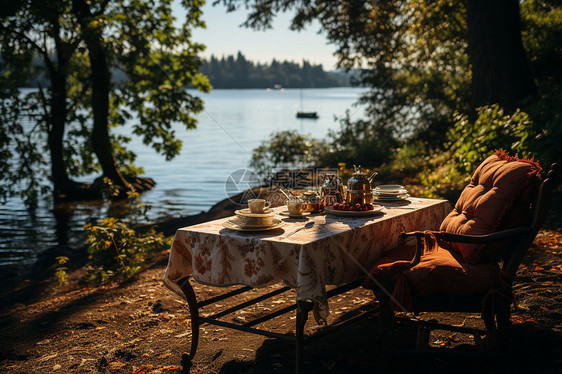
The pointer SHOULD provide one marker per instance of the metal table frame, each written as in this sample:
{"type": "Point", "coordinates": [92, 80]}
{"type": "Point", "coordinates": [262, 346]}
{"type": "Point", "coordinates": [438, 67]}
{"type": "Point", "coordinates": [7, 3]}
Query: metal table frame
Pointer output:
{"type": "Point", "coordinates": [302, 310]}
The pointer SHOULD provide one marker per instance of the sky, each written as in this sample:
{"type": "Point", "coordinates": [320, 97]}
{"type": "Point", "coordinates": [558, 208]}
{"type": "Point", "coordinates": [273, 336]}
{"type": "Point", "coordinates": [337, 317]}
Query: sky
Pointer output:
{"type": "Point", "coordinates": [224, 36]}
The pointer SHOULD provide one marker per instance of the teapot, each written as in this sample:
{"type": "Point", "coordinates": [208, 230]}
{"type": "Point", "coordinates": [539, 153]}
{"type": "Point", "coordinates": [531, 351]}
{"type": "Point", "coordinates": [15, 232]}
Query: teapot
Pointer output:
{"type": "Point", "coordinates": [332, 188]}
{"type": "Point", "coordinates": [359, 187]}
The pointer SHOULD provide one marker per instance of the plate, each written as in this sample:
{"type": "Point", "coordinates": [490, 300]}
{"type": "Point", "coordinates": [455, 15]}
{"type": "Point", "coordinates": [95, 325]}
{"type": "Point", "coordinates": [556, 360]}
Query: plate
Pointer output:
{"type": "Point", "coordinates": [234, 226]}
{"type": "Point", "coordinates": [246, 212]}
{"type": "Point", "coordinates": [286, 213]}
{"type": "Point", "coordinates": [385, 193]}
{"type": "Point", "coordinates": [354, 213]}
{"type": "Point", "coordinates": [390, 188]}
{"type": "Point", "coordinates": [391, 198]}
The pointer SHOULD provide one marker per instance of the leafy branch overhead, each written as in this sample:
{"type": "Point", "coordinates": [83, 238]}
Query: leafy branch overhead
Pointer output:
{"type": "Point", "coordinates": [424, 61]}
{"type": "Point", "coordinates": [73, 50]}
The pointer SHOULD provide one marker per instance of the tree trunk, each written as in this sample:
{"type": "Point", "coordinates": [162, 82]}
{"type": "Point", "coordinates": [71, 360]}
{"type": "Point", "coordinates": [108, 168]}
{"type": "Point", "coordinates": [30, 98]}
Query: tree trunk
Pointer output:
{"type": "Point", "coordinates": [500, 72]}
{"type": "Point", "coordinates": [64, 188]}
{"type": "Point", "coordinates": [57, 120]}
{"type": "Point", "coordinates": [101, 142]}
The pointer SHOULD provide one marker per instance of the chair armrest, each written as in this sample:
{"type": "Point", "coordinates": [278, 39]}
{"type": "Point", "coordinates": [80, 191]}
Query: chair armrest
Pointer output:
{"type": "Point", "coordinates": [419, 249]}
{"type": "Point", "coordinates": [472, 239]}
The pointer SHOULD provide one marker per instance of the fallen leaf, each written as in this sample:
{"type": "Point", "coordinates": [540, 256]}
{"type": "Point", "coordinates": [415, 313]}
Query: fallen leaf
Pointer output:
{"type": "Point", "coordinates": [166, 354]}
{"type": "Point", "coordinates": [47, 358]}
{"type": "Point", "coordinates": [144, 369]}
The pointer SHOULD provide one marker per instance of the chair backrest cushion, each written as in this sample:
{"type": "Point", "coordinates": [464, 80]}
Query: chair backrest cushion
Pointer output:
{"type": "Point", "coordinates": [499, 194]}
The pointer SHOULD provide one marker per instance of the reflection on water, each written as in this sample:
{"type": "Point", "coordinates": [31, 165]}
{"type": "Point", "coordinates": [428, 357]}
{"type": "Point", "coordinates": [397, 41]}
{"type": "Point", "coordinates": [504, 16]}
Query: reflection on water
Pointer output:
{"type": "Point", "coordinates": [25, 234]}
{"type": "Point", "coordinates": [233, 124]}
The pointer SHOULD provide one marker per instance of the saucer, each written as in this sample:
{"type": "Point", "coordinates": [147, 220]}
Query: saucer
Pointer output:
{"type": "Point", "coordinates": [246, 212]}
{"type": "Point", "coordinates": [235, 226]}
{"type": "Point", "coordinates": [286, 213]}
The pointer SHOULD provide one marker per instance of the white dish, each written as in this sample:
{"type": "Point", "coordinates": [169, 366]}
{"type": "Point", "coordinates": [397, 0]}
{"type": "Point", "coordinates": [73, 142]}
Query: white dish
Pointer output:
{"type": "Point", "coordinates": [403, 190]}
{"type": "Point", "coordinates": [390, 188]}
{"type": "Point", "coordinates": [234, 226]}
{"type": "Point", "coordinates": [354, 213]}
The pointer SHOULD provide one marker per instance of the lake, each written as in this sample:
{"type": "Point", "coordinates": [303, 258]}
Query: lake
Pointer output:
{"type": "Point", "coordinates": [233, 124]}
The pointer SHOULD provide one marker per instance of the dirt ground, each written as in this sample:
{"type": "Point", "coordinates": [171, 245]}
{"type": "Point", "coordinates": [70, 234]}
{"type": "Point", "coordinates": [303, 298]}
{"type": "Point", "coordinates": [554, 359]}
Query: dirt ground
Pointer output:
{"type": "Point", "coordinates": [139, 326]}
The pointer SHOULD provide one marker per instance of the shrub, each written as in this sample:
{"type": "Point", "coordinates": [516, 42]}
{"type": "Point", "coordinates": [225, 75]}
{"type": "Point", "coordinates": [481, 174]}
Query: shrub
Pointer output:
{"type": "Point", "coordinates": [359, 142]}
{"type": "Point", "coordinates": [285, 149]}
{"type": "Point", "coordinates": [471, 143]}
{"type": "Point", "coordinates": [61, 271]}
{"type": "Point", "coordinates": [115, 247]}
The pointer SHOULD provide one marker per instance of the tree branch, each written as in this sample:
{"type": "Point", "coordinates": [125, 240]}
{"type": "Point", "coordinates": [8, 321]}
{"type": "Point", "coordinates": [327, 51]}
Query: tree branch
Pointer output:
{"type": "Point", "coordinates": [44, 102]}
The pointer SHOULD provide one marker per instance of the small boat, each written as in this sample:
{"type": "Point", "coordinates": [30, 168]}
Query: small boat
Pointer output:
{"type": "Point", "coordinates": [301, 114]}
{"type": "Point", "coordinates": [312, 115]}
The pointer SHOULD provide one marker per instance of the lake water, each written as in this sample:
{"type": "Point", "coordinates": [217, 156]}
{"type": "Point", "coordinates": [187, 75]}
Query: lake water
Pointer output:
{"type": "Point", "coordinates": [233, 124]}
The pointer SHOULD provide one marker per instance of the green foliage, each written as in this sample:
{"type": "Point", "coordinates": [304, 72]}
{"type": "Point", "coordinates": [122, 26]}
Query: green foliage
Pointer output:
{"type": "Point", "coordinates": [358, 143]}
{"type": "Point", "coordinates": [406, 162]}
{"type": "Point", "coordinates": [45, 44]}
{"type": "Point", "coordinates": [442, 178]}
{"type": "Point", "coordinates": [61, 271]}
{"type": "Point", "coordinates": [547, 117]}
{"type": "Point", "coordinates": [471, 143]}
{"type": "Point", "coordinates": [494, 129]}
{"type": "Point", "coordinates": [115, 247]}
{"type": "Point", "coordinates": [231, 72]}
{"type": "Point", "coordinates": [285, 149]}
{"type": "Point", "coordinates": [17, 137]}
{"type": "Point", "coordinates": [354, 143]}
{"type": "Point", "coordinates": [414, 59]}
{"type": "Point", "coordinates": [412, 55]}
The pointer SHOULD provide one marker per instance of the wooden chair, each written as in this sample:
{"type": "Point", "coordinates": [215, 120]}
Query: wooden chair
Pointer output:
{"type": "Point", "coordinates": [493, 301]}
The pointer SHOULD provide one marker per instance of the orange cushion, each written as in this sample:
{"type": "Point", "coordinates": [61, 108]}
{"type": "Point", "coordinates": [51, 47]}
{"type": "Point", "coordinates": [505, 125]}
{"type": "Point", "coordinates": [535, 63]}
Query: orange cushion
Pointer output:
{"type": "Point", "coordinates": [439, 272]}
{"type": "Point", "coordinates": [497, 185]}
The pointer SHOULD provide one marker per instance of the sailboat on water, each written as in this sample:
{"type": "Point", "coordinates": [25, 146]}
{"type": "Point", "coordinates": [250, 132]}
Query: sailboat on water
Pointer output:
{"type": "Point", "coordinates": [302, 114]}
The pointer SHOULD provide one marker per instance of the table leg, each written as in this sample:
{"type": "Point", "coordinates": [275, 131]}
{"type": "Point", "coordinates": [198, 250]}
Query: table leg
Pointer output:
{"type": "Point", "coordinates": [186, 359]}
{"type": "Point", "coordinates": [303, 307]}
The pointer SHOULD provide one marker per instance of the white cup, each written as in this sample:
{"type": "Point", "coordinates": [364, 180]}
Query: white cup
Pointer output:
{"type": "Point", "coordinates": [258, 206]}
{"type": "Point", "coordinates": [296, 207]}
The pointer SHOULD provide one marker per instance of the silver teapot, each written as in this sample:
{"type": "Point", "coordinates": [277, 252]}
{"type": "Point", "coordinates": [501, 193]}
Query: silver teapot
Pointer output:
{"type": "Point", "coordinates": [332, 189]}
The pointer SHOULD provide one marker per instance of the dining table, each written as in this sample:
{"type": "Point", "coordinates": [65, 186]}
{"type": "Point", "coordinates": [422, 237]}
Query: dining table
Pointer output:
{"type": "Point", "coordinates": [339, 249]}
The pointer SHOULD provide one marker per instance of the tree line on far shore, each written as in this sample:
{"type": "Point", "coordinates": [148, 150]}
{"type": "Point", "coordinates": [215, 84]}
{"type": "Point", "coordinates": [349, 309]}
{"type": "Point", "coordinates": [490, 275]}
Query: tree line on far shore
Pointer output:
{"type": "Point", "coordinates": [238, 72]}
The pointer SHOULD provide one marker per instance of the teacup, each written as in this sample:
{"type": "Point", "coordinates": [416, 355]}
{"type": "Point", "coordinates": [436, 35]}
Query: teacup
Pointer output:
{"type": "Point", "coordinates": [296, 207]}
{"type": "Point", "coordinates": [258, 206]}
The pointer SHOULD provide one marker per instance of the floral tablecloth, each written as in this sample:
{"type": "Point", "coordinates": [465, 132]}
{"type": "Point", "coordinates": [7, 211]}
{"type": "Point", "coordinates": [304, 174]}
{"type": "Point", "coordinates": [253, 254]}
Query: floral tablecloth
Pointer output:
{"type": "Point", "coordinates": [335, 251]}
